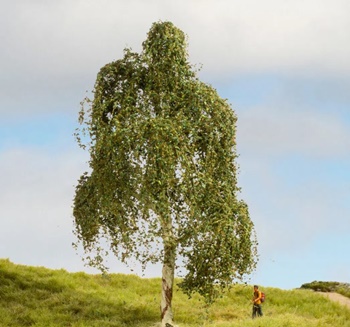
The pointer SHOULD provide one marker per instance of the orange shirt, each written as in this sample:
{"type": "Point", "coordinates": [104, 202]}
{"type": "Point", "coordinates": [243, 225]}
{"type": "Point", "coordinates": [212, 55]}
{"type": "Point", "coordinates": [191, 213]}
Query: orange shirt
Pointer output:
{"type": "Point", "coordinates": [257, 297]}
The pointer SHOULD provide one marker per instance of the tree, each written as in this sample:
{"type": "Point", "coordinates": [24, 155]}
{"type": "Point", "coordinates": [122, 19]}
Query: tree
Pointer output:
{"type": "Point", "coordinates": [163, 182]}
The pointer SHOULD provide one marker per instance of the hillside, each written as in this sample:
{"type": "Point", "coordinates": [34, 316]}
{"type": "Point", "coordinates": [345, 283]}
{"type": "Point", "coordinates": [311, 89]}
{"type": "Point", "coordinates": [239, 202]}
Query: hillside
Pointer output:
{"type": "Point", "coordinates": [31, 296]}
{"type": "Point", "coordinates": [341, 288]}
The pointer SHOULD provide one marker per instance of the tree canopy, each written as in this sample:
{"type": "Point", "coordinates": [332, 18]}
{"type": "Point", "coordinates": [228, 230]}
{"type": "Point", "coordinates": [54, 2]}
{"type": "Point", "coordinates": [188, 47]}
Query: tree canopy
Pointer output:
{"type": "Point", "coordinates": [162, 183]}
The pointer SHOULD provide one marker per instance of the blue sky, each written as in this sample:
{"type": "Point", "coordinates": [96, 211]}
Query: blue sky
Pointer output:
{"type": "Point", "coordinates": [283, 65]}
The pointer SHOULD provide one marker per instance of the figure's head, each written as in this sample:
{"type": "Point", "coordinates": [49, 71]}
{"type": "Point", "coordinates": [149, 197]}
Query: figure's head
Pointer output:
{"type": "Point", "coordinates": [256, 287]}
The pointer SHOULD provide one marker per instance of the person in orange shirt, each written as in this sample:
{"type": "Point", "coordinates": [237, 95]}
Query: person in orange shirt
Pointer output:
{"type": "Point", "coordinates": [257, 311]}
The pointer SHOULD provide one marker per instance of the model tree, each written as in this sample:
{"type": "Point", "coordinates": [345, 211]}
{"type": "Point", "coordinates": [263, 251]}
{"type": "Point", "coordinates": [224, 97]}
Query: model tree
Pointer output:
{"type": "Point", "coordinates": [162, 185]}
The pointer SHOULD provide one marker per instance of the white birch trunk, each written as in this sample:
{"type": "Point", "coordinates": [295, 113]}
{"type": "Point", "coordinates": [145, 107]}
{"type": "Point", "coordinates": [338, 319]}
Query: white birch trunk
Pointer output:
{"type": "Point", "coordinates": [167, 285]}
{"type": "Point", "coordinates": [167, 295]}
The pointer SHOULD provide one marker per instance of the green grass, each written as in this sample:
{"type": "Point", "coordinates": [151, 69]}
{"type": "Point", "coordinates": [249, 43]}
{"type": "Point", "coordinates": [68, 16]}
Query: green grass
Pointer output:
{"type": "Point", "coordinates": [41, 297]}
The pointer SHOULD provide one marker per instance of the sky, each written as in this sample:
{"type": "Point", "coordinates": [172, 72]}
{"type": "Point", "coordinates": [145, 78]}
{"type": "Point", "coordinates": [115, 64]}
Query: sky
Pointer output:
{"type": "Point", "coordinates": [283, 66]}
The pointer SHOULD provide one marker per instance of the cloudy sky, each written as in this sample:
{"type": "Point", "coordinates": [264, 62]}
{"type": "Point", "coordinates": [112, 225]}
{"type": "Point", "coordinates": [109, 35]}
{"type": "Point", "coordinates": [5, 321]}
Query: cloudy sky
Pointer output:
{"type": "Point", "coordinates": [283, 65]}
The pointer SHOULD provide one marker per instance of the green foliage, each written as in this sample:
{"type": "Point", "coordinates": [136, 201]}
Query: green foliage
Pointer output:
{"type": "Point", "coordinates": [341, 288]}
{"type": "Point", "coordinates": [39, 297]}
{"type": "Point", "coordinates": [163, 171]}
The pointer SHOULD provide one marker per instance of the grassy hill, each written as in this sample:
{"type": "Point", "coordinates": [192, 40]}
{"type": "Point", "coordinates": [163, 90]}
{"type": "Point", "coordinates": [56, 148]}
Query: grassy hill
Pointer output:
{"type": "Point", "coordinates": [31, 296]}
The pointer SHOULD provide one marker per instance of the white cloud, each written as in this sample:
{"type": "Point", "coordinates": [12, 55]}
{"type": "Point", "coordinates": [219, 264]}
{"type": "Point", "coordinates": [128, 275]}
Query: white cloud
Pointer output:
{"type": "Point", "coordinates": [274, 130]}
{"type": "Point", "coordinates": [279, 36]}
{"type": "Point", "coordinates": [52, 51]}
{"type": "Point", "coordinates": [290, 161]}
{"type": "Point", "coordinates": [35, 205]}
{"type": "Point", "coordinates": [290, 215]}
{"type": "Point", "coordinates": [73, 39]}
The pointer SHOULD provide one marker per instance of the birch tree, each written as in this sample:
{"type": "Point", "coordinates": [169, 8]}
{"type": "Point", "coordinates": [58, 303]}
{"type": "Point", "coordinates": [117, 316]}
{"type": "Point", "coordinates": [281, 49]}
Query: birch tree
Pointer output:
{"type": "Point", "coordinates": [162, 184]}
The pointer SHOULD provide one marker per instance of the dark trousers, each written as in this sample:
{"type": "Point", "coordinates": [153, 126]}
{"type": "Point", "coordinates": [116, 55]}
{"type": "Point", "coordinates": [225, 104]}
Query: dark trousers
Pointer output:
{"type": "Point", "coordinates": [257, 311]}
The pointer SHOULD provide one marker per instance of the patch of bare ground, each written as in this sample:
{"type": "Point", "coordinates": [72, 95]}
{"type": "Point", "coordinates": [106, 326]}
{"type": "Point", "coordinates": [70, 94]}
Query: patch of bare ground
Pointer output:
{"type": "Point", "coordinates": [336, 297]}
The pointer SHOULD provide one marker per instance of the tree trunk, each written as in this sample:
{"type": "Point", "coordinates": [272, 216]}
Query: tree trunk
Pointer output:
{"type": "Point", "coordinates": [167, 285]}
